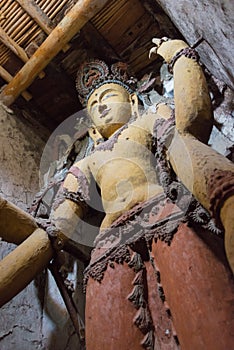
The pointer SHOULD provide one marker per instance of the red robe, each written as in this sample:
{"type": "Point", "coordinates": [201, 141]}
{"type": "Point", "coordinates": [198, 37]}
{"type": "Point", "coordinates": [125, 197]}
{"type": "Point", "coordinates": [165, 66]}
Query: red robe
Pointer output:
{"type": "Point", "coordinates": [161, 285]}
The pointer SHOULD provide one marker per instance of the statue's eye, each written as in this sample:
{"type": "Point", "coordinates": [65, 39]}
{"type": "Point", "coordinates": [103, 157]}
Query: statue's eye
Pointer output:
{"type": "Point", "coordinates": [108, 96]}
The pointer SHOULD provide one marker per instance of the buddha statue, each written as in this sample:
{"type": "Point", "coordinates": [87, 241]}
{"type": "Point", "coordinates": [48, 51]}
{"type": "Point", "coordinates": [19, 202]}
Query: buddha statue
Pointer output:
{"type": "Point", "coordinates": [161, 188]}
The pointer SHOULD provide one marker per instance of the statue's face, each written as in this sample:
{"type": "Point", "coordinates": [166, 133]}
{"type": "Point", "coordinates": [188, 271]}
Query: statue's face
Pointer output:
{"type": "Point", "coordinates": [109, 107]}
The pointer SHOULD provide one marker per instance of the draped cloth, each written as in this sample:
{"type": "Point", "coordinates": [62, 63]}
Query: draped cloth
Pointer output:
{"type": "Point", "coordinates": [154, 282]}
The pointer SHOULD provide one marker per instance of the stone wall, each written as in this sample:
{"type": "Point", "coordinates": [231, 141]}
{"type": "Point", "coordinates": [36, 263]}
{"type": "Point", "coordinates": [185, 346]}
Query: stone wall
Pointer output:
{"type": "Point", "coordinates": [211, 20]}
{"type": "Point", "coordinates": [36, 318]}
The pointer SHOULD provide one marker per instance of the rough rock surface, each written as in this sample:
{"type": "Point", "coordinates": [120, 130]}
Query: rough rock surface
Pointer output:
{"type": "Point", "coordinates": [20, 319]}
{"type": "Point", "coordinates": [36, 318]}
{"type": "Point", "coordinates": [213, 21]}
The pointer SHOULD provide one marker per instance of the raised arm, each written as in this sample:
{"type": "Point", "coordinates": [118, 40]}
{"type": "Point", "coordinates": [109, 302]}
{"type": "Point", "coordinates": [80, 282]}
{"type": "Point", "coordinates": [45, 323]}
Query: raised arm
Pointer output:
{"type": "Point", "coordinates": [206, 173]}
{"type": "Point", "coordinates": [193, 110]}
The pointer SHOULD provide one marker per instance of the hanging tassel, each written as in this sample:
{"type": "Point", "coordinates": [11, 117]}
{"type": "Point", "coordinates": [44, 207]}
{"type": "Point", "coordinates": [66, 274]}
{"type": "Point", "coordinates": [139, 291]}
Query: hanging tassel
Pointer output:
{"type": "Point", "coordinates": [136, 262]}
{"type": "Point", "coordinates": [148, 341]}
{"type": "Point", "coordinates": [143, 320]}
{"type": "Point", "coordinates": [137, 297]}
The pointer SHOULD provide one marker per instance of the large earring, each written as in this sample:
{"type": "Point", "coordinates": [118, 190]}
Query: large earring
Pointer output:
{"type": "Point", "coordinates": [134, 105]}
{"type": "Point", "coordinates": [95, 135]}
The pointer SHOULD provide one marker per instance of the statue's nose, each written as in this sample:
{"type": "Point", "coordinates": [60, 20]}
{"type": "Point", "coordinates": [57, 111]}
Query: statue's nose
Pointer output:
{"type": "Point", "coordinates": [101, 108]}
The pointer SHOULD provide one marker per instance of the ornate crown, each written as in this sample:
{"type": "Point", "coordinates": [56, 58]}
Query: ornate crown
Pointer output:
{"type": "Point", "coordinates": [94, 73]}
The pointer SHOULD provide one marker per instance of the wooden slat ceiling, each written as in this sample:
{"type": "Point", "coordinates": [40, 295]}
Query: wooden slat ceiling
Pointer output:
{"type": "Point", "coordinates": [122, 30]}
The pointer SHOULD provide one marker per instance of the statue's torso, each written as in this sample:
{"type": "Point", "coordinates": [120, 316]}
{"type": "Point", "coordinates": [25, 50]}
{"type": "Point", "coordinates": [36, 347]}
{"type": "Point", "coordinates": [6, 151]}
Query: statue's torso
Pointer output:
{"type": "Point", "coordinates": [124, 169]}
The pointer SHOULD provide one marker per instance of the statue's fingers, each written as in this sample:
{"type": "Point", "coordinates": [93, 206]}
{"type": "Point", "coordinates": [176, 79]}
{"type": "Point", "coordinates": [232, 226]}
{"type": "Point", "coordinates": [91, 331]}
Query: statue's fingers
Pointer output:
{"type": "Point", "coordinates": [156, 41]}
{"type": "Point", "coordinates": [159, 42]}
{"type": "Point", "coordinates": [152, 51]}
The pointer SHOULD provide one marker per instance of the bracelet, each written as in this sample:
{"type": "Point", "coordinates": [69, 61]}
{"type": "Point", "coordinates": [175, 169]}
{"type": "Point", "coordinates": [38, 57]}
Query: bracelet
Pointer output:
{"type": "Point", "coordinates": [187, 52]}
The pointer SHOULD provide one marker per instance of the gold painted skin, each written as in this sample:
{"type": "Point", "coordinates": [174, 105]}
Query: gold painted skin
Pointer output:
{"type": "Point", "coordinates": [125, 174]}
{"type": "Point", "coordinates": [109, 106]}
{"type": "Point", "coordinates": [193, 161]}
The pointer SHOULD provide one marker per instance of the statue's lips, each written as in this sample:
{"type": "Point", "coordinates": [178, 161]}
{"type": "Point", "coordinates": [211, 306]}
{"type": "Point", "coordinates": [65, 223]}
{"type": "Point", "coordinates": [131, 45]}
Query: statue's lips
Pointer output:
{"type": "Point", "coordinates": [105, 112]}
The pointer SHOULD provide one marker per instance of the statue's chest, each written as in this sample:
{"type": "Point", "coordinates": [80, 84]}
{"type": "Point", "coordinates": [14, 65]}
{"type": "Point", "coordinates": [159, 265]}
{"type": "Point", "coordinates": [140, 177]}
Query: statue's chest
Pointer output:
{"type": "Point", "coordinates": [129, 143]}
{"type": "Point", "coordinates": [126, 139]}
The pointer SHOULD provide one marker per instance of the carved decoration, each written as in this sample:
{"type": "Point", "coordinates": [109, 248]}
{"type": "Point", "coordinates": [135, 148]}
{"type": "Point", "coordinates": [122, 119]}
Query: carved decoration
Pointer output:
{"type": "Point", "coordinates": [81, 197]}
{"type": "Point", "coordinates": [94, 73]}
{"type": "Point", "coordinates": [139, 298]}
{"type": "Point", "coordinates": [195, 213]}
{"type": "Point", "coordinates": [187, 52]}
{"type": "Point", "coordinates": [221, 187]}
{"type": "Point", "coordinates": [38, 199]}
{"type": "Point", "coordinates": [109, 144]}
{"type": "Point", "coordinates": [131, 228]}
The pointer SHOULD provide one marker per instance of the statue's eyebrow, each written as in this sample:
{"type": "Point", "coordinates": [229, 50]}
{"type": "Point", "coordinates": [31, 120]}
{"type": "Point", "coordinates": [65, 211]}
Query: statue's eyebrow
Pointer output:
{"type": "Point", "coordinates": [93, 103]}
{"type": "Point", "coordinates": [101, 96]}
{"type": "Point", "coordinates": [104, 93]}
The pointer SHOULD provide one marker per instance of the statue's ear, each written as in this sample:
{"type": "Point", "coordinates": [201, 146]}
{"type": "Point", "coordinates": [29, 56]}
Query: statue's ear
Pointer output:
{"type": "Point", "coordinates": [134, 104]}
{"type": "Point", "coordinates": [95, 135]}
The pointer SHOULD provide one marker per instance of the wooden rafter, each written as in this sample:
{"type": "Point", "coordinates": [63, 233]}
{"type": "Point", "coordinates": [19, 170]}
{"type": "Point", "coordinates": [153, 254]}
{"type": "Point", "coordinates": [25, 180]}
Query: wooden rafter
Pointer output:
{"type": "Point", "coordinates": [73, 21]}
{"type": "Point", "coordinates": [5, 75]}
{"type": "Point", "coordinates": [40, 17]}
{"type": "Point", "coordinates": [15, 48]}
{"type": "Point", "coordinates": [12, 45]}
{"type": "Point", "coordinates": [37, 14]}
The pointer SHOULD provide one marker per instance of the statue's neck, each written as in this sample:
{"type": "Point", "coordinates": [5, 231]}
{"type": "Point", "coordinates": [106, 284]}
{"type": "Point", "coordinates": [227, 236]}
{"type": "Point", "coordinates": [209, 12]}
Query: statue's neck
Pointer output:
{"type": "Point", "coordinates": [108, 131]}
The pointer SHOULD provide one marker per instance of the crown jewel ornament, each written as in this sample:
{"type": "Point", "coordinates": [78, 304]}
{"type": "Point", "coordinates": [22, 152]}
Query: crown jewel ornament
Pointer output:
{"type": "Point", "coordinates": [94, 73]}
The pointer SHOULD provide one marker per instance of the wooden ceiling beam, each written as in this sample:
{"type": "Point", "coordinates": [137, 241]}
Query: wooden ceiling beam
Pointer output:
{"type": "Point", "coordinates": [37, 14]}
{"type": "Point", "coordinates": [12, 45]}
{"type": "Point", "coordinates": [72, 22]}
{"type": "Point", "coordinates": [5, 75]}
{"type": "Point", "coordinates": [40, 17]}
{"type": "Point", "coordinates": [16, 48]}
{"type": "Point", "coordinates": [99, 47]}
